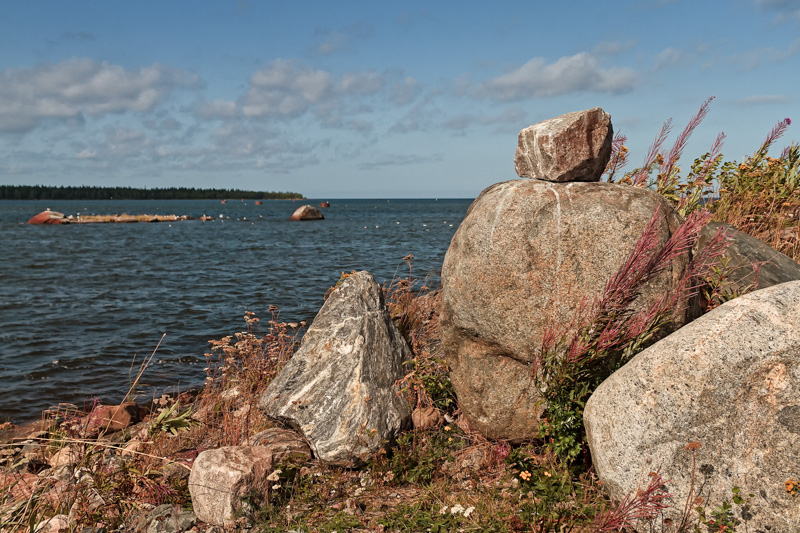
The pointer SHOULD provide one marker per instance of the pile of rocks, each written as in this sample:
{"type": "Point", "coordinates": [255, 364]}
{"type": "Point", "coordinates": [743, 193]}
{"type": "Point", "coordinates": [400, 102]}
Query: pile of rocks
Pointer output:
{"type": "Point", "coordinates": [711, 406]}
{"type": "Point", "coordinates": [530, 251]}
{"type": "Point", "coordinates": [337, 392]}
{"type": "Point", "coordinates": [525, 256]}
{"type": "Point", "coordinates": [33, 468]}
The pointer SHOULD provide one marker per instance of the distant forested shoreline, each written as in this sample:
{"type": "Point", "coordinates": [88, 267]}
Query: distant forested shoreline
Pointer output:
{"type": "Point", "coordinates": [43, 192]}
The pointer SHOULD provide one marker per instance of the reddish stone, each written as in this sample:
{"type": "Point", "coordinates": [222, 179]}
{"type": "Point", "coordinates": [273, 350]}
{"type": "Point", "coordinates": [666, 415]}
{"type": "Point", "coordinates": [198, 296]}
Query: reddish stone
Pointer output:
{"type": "Point", "coordinates": [49, 217]}
{"type": "Point", "coordinates": [116, 417]}
{"type": "Point", "coordinates": [18, 486]}
{"type": "Point", "coordinates": [306, 212]}
{"type": "Point", "coordinates": [572, 147]}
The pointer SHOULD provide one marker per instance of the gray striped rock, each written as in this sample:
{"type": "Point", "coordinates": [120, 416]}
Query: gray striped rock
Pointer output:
{"type": "Point", "coordinates": [572, 147]}
{"type": "Point", "coordinates": [729, 381]}
{"type": "Point", "coordinates": [339, 389]}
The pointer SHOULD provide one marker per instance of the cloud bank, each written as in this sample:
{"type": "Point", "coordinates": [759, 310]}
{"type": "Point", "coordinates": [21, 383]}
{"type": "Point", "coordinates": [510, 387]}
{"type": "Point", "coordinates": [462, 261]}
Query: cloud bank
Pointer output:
{"type": "Point", "coordinates": [76, 87]}
{"type": "Point", "coordinates": [569, 74]}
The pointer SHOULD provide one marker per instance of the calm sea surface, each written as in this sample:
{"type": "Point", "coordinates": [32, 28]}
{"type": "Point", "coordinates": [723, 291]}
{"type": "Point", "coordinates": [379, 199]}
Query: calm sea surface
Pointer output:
{"type": "Point", "coordinates": [79, 302]}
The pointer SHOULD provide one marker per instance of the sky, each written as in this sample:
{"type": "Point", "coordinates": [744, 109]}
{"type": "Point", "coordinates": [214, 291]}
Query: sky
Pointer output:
{"type": "Point", "coordinates": [378, 99]}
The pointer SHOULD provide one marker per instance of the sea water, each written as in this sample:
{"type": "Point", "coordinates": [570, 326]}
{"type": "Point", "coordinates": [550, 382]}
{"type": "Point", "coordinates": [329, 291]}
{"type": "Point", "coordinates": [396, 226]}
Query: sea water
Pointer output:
{"type": "Point", "coordinates": [82, 305]}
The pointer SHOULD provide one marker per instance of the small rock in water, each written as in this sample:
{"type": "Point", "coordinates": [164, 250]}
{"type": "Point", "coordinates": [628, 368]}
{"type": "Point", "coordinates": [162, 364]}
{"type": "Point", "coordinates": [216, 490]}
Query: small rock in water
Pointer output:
{"type": "Point", "coordinates": [307, 212]}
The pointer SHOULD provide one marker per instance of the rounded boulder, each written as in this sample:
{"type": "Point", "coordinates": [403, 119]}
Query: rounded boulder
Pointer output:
{"type": "Point", "coordinates": [306, 212]}
{"type": "Point", "coordinates": [525, 256]}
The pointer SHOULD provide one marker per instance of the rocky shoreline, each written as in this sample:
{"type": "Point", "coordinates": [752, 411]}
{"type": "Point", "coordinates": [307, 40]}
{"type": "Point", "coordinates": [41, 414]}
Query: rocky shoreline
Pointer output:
{"type": "Point", "coordinates": [432, 410]}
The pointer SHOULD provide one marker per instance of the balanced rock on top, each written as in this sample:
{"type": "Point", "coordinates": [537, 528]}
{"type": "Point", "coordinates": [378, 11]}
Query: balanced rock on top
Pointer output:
{"type": "Point", "coordinates": [572, 147]}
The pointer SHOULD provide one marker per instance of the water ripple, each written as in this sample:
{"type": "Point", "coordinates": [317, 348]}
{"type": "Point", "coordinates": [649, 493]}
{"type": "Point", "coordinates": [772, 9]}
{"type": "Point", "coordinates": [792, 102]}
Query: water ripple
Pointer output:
{"type": "Point", "coordinates": [80, 302]}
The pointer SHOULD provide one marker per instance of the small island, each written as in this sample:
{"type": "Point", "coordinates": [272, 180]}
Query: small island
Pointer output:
{"type": "Point", "coordinates": [45, 192]}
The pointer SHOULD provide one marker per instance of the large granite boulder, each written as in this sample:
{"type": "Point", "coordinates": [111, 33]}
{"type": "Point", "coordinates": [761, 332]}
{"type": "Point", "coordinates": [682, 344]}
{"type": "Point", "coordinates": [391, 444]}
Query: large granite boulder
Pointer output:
{"type": "Point", "coordinates": [729, 381]}
{"type": "Point", "coordinates": [524, 257]}
{"type": "Point", "coordinates": [306, 212]}
{"type": "Point", "coordinates": [230, 482]}
{"type": "Point", "coordinates": [339, 389]}
{"type": "Point", "coordinates": [572, 147]}
{"type": "Point", "coordinates": [745, 250]}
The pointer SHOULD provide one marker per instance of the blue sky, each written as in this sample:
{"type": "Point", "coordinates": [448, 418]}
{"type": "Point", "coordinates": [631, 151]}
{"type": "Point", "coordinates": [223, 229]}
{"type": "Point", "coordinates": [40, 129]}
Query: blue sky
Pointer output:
{"type": "Point", "coordinates": [371, 99]}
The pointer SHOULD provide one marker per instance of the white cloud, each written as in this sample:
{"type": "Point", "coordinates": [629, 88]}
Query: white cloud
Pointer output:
{"type": "Point", "coordinates": [362, 83]}
{"type": "Point", "coordinates": [76, 87]}
{"type": "Point", "coordinates": [394, 160]}
{"type": "Point", "coordinates": [288, 89]}
{"type": "Point", "coordinates": [668, 57]}
{"type": "Point", "coordinates": [570, 74]}
{"type": "Point", "coordinates": [337, 40]}
{"type": "Point", "coordinates": [126, 142]}
{"type": "Point", "coordinates": [333, 41]}
{"type": "Point", "coordinates": [86, 154]}
{"type": "Point", "coordinates": [284, 88]}
{"type": "Point", "coordinates": [785, 10]}
{"type": "Point", "coordinates": [765, 56]}
{"type": "Point", "coordinates": [405, 91]}
{"type": "Point", "coordinates": [222, 109]}
{"type": "Point", "coordinates": [763, 99]}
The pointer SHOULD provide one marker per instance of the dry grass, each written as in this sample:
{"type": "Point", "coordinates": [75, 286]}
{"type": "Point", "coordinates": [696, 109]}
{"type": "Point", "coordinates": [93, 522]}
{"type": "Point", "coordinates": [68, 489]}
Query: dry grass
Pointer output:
{"type": "Point", "coordinates": [442, 478]}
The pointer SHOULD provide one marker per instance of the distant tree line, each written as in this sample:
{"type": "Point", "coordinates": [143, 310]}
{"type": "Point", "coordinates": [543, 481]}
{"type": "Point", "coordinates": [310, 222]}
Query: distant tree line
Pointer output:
{"type": "Point", "coordinates": [43, 192]}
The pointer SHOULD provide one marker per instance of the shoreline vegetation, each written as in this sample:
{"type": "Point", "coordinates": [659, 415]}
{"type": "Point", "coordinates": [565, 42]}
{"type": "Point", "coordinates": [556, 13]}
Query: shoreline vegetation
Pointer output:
{"type": "Point", "coordinates": [44, 192]}
{"type": "Point", "coordinates": [440, 476]}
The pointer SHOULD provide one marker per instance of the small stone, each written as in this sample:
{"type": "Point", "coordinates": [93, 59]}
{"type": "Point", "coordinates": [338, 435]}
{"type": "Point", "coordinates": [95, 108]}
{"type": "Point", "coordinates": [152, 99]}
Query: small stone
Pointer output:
{"type": "Point", "coordinates": [57, 524]}
{"type": "Point", "coordinates": [109, 418]}
{"type": "Point", "coordinates": [66, 456]}
{"type": "Point", "coordinates": [167, 518]}
{"type": "Point", "coordinates": [307, 212]}
{"type": "Point", "coordinates": [231, 482]}
{"type": "Point", "coordinates": [426, 417]}
{"type": "Point", "coordinates": [572, 147]}
{"type": "Point", "coordinates": [49, 217]}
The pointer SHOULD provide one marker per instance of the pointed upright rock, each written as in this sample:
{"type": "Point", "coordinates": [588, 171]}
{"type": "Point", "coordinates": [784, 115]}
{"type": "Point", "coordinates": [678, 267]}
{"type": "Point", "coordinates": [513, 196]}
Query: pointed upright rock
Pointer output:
{"type": "Point", "coordinates": [339, 388]}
